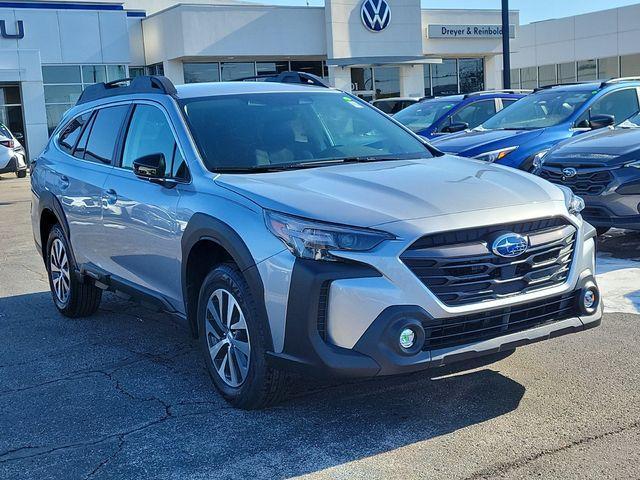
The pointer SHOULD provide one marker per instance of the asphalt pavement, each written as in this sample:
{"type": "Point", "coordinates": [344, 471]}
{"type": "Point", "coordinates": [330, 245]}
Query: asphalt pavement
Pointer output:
{"type": "Point", "coordinates": [124, 394]}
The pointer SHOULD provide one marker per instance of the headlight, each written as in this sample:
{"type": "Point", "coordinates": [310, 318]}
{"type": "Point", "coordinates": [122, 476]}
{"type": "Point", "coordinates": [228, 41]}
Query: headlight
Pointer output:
{"type": "Point", "coordinates": [574, 203]}
{"type": "Point", "coordinates": [495, 155]}
{"type": "Point", "coordinates": [538, 159]}
{"type": "Point", "coordinates": [635, 164]}
{"type": "Point", "coordinates": [315, 240]}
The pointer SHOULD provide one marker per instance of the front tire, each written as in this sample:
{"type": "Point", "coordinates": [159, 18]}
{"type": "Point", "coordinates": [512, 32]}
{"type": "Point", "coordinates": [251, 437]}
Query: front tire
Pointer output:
{"type": "Point", "coordinates": [71, 297]}
{"type": "Point", "coordinates": [234, 341]}
{"type": "Point", "coordinates": [21, 173]}
{"type": "Point", "coordinates": [602, 230]}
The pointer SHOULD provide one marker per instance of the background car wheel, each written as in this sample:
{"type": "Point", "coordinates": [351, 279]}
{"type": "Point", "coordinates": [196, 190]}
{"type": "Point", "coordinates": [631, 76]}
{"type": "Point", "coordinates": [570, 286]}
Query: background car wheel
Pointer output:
{"type": "Point", "coordinates": [71, 297]}
{"type": "Point", "coordinates": [602, 230]}
{"type": "Point", "coordinates": [234, 341]}
{"type": "Point", "coordinates": [21, 173]}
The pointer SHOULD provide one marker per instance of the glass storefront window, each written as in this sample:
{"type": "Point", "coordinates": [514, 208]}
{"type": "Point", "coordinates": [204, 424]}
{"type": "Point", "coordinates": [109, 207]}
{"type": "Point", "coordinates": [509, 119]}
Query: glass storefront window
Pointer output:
{"type": "Point", "coordinates": [94, 73]}
{"type": "Point", "coordinates": [386, 81]}
{"type": "Point", "coordinates": [587, 70]}
{"type": "Point", "coordinates": [515, 78]}
{"type": "Point", "coordinates": [314, 67]}
{"type": "Point", "coordinates": [567, 72]}
{"type": "Point", "coordinates": [608, 68]}
{"type": "Point", "coordinates": [201, 72]}
{"type": "Point", "coordinates": [271, 68]}
{"type": "Point", "coordinates": [62, 93]}
{"type": "Point", "coordinates": [11, 109]}
{"type": "Point", "coordinates": [444, 77]}
{"type": "Point", "coordinates": [236, 70]}
{"type": "Point", "coordinates": [471, 74]}
{"type": "Point", "coordinates": [547, 75]}
{"type": "Point", "coordinates": [136, 71]}
{"type": "Point", "coordinates": [156, 69]}
{"type": "Point", "coordinates": [529, 77]}
{"type": "Point", "coordinates": [630, 65]}
{"type": "Point", "coordinates": [427, 80]}
{"type": "Point", "coordinates": [115, 72]}
{"type": "Point", "coordinates": [361, 80]}
{"type": "Point", "coordinates": [61, 74]}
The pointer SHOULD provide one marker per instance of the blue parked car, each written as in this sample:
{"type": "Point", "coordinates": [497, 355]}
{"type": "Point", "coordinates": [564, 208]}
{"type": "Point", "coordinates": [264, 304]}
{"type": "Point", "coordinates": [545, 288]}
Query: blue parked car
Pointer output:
{"type": "Point", "coordinates": [522, 134]}
{"type": "Point", "coordinates": [438, 116]}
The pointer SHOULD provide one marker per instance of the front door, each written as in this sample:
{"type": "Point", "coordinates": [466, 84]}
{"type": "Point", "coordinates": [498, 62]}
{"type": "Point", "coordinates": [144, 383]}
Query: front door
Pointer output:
{"type": "Point", "coordinates": [140, 217]}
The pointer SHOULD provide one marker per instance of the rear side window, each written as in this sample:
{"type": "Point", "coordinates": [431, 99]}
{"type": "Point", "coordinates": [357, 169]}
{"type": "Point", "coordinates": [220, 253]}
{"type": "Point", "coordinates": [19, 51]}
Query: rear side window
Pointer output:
{"type": "Point", "coordinates": [71, 133]}
{"type": "Point", "coordinates": [104, 134]}
{"type": "Point", "coordinates": [508, 101]}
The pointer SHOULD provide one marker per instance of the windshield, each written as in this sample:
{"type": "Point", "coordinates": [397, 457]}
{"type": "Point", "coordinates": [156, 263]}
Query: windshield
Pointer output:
{"type": "Point", "coordinates": [265, 130]}
{"type": "Point", "coordinates": [421, 115]}
{"type": "Point", "coordinates": [538, 110]}
{"type": "Point", "coordinates": [632, 122]}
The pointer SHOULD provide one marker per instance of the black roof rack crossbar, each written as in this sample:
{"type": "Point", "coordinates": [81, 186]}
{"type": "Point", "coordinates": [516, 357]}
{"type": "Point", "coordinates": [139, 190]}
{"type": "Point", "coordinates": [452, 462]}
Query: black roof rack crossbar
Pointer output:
{"type": "Point", "coordinates": [502, 90]}
{"type": "Point", "coordinates": [128, 86]}
{"type": "Point", "coordinates": [303, 78]}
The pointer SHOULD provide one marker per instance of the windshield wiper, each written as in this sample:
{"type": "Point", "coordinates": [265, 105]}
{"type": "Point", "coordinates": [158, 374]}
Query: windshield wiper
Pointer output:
{"type": "Point", "coordinates": [299, 165]}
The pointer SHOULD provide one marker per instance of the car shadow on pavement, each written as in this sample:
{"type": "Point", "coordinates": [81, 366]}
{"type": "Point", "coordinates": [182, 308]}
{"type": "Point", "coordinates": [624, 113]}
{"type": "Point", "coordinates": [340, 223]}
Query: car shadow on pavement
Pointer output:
{"type": "Point", "coordinates": [124, 394]}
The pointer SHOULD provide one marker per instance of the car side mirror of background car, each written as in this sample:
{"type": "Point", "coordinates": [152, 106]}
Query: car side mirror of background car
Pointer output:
{"type": "Point", "coordinates": [601, 121]}
{"type": "Point", "coordinates": [151, 167]}
{"type": "Point", "coordinates": [455, 127]}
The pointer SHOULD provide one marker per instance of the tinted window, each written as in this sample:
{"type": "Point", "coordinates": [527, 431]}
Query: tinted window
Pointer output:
{"type": "Point", "coordinates": [82, 143]}
{"type": "Point", "coordinates": [422, 115]}
{"type": "Point", "coordinates": [508, 101]}
{"type": "Point", "coordinates": [149, 132]}
{"type": "Point", "coordinates": [475, 114]}
{"type": "Point", "coordinates": [104, 133]}
{"type": "Point", "coordinates": [621, 104]}
{"type": "Point", "coordinates": [258, 130]}
{"type": "Point", "coordinates": [71, 133]}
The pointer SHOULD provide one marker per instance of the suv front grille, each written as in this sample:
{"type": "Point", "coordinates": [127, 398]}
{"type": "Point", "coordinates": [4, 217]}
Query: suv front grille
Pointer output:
{"type": "Point", "coordinates": [476, 327]}
{"type": "Point", "coordinates": [586, 182]}
{"type": "Point", "coordinates": [465, 270]}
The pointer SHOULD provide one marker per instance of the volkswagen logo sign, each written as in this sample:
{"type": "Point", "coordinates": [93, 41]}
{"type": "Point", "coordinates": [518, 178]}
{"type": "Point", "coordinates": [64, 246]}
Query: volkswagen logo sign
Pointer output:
{"type": "Point", "coordinates": [569, 172]}
{"type": "Point", "coordinates": [510, 245]}
{"type": "Point", "coordinates": [375, 14]}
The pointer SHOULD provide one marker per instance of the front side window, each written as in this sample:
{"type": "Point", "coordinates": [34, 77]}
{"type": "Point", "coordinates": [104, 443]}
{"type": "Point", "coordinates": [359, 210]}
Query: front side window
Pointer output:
{"type": "Point", "coordinates": [621, 104]}
{"type": "Point", "coordinates": [540, 110]}
{"type": "Point", "coordinates": [422, 115]}
{"type": "Point", "coordinates": [254, 131]}
{"type": "Point", "coordinates": [104, 134]}
{"type": "Point", "coordinates": [150, 133]}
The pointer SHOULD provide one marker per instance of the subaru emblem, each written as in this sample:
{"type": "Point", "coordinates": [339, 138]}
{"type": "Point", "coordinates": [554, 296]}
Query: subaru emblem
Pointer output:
{"type": "Point", "coordinates": [510, 245]}
{"type": "Point", "coordinates": [569, 172]}
{"type": "Point", "coordinates": [375, 14]}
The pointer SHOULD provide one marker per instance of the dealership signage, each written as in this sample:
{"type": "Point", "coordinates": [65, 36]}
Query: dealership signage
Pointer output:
{"type": "Point", "coordinates": [468, 31]}
{"type": "Point", "coordinates": [375, 14]}
{"type": "Point", "coordinates": [18, 33]}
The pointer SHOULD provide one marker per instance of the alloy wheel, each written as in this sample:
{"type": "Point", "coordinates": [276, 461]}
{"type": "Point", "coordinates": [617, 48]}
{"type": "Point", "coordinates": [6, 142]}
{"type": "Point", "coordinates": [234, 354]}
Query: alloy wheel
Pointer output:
{"type": "Point", "coordinates": [227, 337]}
{"type": "Point", "coordinates": [59, 268]}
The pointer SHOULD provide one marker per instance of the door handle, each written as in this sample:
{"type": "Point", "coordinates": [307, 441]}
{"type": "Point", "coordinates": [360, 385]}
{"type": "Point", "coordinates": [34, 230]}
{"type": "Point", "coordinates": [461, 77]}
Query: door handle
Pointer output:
{"type": "Point", "coordinates": [64, 182]}
{"type": "Point", "coordinates": [111, 196]}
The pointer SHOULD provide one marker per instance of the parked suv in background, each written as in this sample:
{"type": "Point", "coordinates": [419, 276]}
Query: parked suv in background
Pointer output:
{"type": "Point", "coordinates": [604, 168]}
{"type": "Point", "coordinates": [12, 155]}
{"type": "Point", "coordinates": [297, 227]}
{"type": "Point", "coordinates": [439, 116]}
{"type": "Point", "coordinates": [514, 137]}
{"type": "Point", "coordinates": [394, 104]}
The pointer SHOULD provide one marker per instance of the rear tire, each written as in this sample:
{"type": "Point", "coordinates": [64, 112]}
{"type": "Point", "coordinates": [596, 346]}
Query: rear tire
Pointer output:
{"type": "Point", "coordinates": [234, 346]}
{"type": "Point", "coordinates": [71, 297]}
{"type": "Point", "coordinates": [21, 173]}
{"type": "Point", "coordinates": [602, 230]}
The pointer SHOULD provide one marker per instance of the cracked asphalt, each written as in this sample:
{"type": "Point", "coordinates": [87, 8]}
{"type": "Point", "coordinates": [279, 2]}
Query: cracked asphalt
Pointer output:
{"type": "Point", "coordinates": [124, 394]}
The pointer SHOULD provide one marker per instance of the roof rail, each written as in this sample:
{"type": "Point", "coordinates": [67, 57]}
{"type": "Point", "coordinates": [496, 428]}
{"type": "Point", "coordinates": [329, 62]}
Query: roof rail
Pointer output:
{"type": "Point", "coordinates": [546, 87]}
{"type": "Point", "coordinates": [303, 78]}
{"type": "Point", "coordinates": [127, 86]}
{"type": "Point", "coordinates": [503, 90]}
{"type": "Point", "coordinates": [618, 80]}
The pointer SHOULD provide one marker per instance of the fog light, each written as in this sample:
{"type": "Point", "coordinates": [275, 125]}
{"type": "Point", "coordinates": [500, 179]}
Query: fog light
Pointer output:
{"type": "Point", "coordinates": [589, 299]}
{"type": "Point", "coordinates": [407, 338]}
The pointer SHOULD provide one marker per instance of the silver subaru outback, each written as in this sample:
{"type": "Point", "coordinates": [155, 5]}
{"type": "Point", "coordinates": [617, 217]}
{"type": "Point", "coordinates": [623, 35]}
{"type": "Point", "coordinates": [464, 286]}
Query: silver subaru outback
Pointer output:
{"type": "Point", "coordinates": [295, 227]}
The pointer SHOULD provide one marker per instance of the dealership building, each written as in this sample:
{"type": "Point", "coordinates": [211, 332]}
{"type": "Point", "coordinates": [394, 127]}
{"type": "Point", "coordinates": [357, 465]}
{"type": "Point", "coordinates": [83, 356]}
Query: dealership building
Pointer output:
{"type": "Point", "coordinates": [50, 50]}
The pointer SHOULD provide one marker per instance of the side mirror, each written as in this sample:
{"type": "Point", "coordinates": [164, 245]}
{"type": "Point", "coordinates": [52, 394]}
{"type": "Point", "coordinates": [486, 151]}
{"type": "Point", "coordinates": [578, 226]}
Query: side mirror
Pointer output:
{"type": "Point", "coordinates": [151, 167]}
{"type": "Point", "coordinates": [455, 127]}
{"type": "Point", "coordinates": [601, 121]}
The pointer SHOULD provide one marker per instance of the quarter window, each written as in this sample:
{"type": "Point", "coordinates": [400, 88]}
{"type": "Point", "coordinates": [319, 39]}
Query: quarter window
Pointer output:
{"type": "Point", "coordinates": [71, 133]}
{"type": "Point", "coordinates": [104, 134]}
{"type": "Point", "coordinates": [150, 133]}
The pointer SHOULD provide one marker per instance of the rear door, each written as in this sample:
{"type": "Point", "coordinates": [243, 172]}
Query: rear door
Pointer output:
{"type": "Point", "coordinates": [86, 148]}
{"type": "Point", "coordinates": [140, 217]}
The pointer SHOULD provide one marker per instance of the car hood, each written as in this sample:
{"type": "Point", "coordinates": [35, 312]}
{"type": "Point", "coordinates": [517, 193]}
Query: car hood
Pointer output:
{"type": "Point", "coordinates": [606, 146]}
{"type": "Point", "coordinates": [368, 194]}
{"type": "Point", "coordinates": [476, 142]}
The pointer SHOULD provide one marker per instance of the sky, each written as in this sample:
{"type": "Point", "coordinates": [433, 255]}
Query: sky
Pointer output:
{"type": "Point", "coordinates": [530, 10]}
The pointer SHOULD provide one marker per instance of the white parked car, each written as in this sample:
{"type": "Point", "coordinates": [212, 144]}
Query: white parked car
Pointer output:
{"type": "Point", "coordinates": [13, 157]}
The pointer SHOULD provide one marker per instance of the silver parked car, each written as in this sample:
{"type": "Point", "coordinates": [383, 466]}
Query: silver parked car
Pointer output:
{"type": "Point", "coordinates": [12, 154]}
{"type": "Point", "coordinates": [296, 227]}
